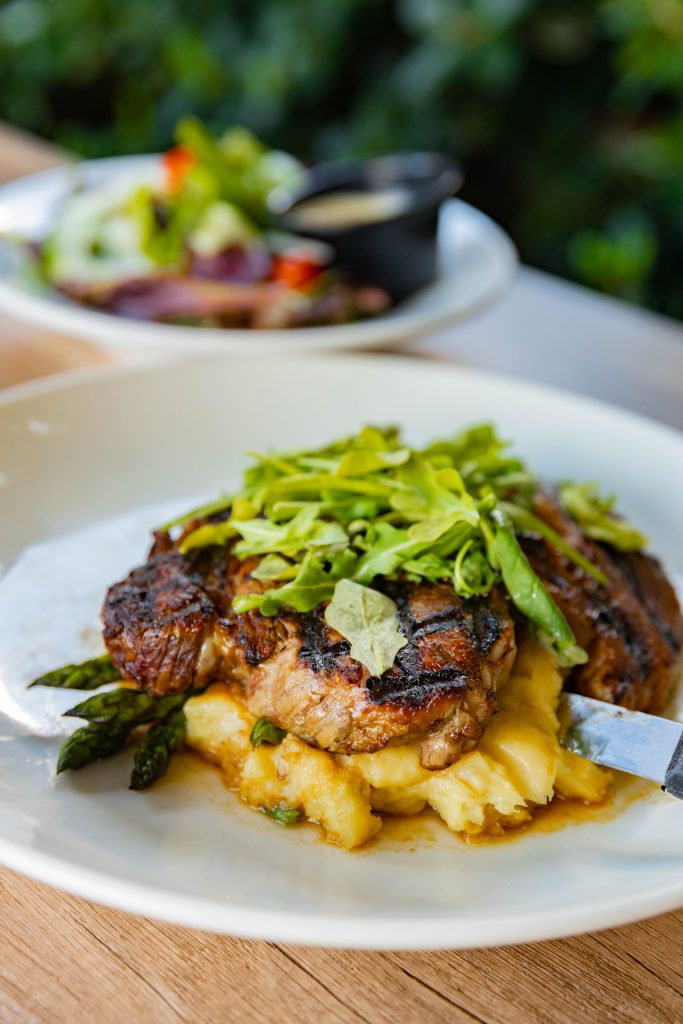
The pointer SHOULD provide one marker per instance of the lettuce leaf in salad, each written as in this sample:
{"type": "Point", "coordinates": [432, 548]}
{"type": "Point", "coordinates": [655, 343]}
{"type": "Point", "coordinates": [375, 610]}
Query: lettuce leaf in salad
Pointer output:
{"type": "Point", "coordinates": [129, 229]}
{"type": "Point", "coordinates": [242, 168]}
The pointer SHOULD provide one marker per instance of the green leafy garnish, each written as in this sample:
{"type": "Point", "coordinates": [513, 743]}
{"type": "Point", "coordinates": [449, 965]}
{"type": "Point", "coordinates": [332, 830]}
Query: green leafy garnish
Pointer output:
{"type": "Point", "coordinates": [219, 199]}
{"type": "Point", "coordinates": [264, 731]}
{"type": "Point", "coordinates": [312, 585]}
{"type": "Point", "coordinates": [369, 620]}
{"type": "Point", "coordinates": [595, 515]}
{"type": "Point", "coordinates": [369, 506]}
{"type": "Point", "coordinates": [274, 567]}
{"type": "Point", "coordinates": [473, 575]}
{"type": "Point", "coordinates": [220, 504]}
{"type": "Point", "coordinates": [240, 168]}
{"type": "Point", "coordinates": [283, 815]}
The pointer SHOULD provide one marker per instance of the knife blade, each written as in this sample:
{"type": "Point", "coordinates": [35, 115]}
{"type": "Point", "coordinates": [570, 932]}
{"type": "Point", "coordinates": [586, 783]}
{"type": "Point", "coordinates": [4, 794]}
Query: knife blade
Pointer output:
{"type": "Point", "coordinates": [631, 741]}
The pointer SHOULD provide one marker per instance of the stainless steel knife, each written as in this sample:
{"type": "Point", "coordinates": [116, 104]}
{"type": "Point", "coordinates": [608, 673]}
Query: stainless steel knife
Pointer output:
{"type": "Point", "coordinates": [631, 741]}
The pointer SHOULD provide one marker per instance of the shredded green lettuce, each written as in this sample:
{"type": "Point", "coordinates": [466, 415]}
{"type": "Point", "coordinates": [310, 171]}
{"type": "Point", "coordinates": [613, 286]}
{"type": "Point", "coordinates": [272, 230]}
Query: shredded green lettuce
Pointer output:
{"type": "Point", "coordinates": [596, 517]}
{"type": "Point", "coordinates": [312, 585]}
{"type": "Point", "coordinates": [368, 507]}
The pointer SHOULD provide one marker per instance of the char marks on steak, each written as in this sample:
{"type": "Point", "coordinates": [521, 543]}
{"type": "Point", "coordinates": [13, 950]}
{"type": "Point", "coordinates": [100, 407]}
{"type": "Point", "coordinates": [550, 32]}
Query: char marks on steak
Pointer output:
{"type": "Point", "coordinates": [169, 626]}
{"type": "Point", "coordinates": [632, 629]}
{"type": "Point", "coordinates": [441, 688]}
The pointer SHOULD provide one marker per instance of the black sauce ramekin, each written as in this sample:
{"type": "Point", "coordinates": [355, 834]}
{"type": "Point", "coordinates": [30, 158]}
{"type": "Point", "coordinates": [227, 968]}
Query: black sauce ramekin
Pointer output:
{"type": "Point", "coordinates": [398, 252]}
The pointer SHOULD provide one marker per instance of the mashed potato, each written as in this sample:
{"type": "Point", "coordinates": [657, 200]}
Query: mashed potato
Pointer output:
{"type": "Point", "coordinates": [517, 767]}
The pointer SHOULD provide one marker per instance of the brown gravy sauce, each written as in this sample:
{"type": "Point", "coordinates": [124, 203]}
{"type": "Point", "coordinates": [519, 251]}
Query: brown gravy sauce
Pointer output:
{"type": "Point", "coordinates": [420, 831]}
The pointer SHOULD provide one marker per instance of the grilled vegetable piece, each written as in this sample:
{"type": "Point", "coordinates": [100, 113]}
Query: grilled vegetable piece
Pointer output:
{"type": "Point", "coordinates": [155, 750]}
{"type": "Point", "coordinates": [89, 675]}
{"type": "Point", "coordinates": [92, 742]}
{"type": "Point", "coordinates": [125, 705]}
{"type": "Point", "coordinates": [112, 716]}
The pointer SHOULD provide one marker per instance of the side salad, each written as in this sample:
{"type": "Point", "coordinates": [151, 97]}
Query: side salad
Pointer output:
{"type": "Point", "coordinates": [198, 246]}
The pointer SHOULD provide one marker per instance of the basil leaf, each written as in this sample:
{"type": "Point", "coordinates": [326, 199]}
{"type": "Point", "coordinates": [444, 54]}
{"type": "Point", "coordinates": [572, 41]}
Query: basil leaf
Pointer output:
{"type": "Point", "coordinates": [369, 621]}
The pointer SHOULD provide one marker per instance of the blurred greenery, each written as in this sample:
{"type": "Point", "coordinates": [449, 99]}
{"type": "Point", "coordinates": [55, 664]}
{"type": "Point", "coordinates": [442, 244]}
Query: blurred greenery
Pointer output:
{"type": "Point", "coordinates": [567, 114]}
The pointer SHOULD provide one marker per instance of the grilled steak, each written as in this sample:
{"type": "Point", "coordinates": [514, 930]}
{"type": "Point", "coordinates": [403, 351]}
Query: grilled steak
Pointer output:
{"type": "Point", "coordinates": [646, 579]}
{"type": "Point", "coordinates": [631, 629]}
{"type": "Point", "coordinates": [169, 626]}
{"type": "Point", "coordinates": [442, 685]}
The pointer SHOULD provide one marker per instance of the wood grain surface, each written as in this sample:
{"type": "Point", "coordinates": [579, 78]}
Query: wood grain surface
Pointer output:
{"type": "Point", "coordinates": [63, 959]}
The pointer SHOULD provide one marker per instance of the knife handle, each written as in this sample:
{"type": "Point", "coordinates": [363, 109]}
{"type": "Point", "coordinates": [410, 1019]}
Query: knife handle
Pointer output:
{"type": "Point", "coordinates": [673, 780]}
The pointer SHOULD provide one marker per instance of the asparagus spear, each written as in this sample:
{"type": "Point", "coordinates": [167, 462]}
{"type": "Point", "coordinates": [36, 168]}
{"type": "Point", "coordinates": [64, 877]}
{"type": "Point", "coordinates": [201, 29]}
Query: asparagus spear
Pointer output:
{"type": "Point", "coordinates": [112, 717]}
{"type": "Point", "coordinates": [154, 751]}
{"type": "Point", "coordinates": [126, 705]}
{"type": "Point", "coordinates": [89, 675]}
{"type": "Point", "coordinates": [92, 743]}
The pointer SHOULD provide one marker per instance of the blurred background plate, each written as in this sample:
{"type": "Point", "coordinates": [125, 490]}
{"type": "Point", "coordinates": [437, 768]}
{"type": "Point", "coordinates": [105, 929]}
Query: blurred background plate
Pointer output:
{"type": "Point", "coordinates": [477, 264]}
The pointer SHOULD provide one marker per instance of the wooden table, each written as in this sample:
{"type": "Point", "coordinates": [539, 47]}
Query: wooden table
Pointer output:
{"type": "Point", "coordinates": [63, 959]}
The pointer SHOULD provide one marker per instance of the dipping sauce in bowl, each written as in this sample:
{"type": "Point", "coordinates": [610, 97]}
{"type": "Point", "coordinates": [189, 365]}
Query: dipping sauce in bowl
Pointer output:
{"type": "Point", "coordinates": [380, 216]}
{"type": "Point", "coordinates": [348, 209]}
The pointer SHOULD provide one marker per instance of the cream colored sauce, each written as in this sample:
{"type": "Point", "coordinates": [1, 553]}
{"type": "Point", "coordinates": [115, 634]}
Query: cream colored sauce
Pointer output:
{"type": "Point", "coordinates": [348, 209]}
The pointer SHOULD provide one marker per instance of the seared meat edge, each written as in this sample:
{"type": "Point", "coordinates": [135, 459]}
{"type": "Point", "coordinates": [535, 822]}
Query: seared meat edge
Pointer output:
{"type": "Point", "coordinates": [169, 626]}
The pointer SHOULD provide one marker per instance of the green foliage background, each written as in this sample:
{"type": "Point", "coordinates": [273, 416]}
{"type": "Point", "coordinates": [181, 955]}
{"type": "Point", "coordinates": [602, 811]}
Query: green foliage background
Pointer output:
{"type": "Point", "coordinates": [566, 113]}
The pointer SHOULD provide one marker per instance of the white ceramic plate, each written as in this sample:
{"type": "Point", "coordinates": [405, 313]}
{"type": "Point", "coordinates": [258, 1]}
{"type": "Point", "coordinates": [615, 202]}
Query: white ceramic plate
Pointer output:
{"type": "Point", "coordinates": [477, 265]}
{"type": "Point", "coordinates": [88, 465]}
